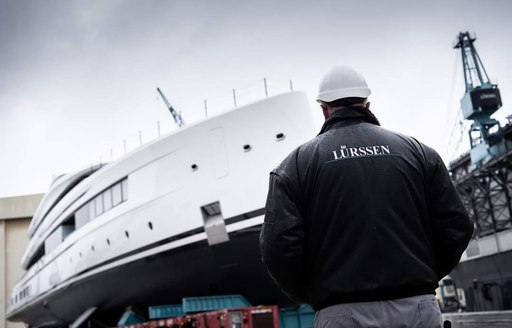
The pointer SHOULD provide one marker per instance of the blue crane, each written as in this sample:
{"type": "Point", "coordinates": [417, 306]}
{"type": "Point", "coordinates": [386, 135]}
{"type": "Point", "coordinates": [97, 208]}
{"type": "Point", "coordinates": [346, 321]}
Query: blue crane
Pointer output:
{"type": "Point", "coordinates": [177, 116]}
{"type": "Point", "coordinates": [480, 101]}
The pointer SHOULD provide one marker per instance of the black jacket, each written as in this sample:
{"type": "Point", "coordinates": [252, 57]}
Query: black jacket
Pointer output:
{"type": "Point", "coordinates": [359, 214]}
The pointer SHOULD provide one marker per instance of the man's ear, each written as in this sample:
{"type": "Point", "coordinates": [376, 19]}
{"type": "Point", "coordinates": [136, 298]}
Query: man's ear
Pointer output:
{"type": "Point", "coordinates": [367, 105]}
{"type": "Point", "coordinates": [325, 110]}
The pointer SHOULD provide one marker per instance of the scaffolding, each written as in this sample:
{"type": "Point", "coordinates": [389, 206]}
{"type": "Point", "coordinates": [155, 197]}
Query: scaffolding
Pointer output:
{"type": "Point", "coordinates": [486, 192]}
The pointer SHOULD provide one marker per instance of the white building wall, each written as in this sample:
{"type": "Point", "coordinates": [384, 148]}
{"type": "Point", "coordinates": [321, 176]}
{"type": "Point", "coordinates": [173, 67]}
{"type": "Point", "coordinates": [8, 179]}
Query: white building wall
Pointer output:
{"type": "Point", "coordinates": [15, 216]}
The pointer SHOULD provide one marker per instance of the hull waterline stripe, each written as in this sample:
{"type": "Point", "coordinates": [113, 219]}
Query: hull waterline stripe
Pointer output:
{"type": "Point", "coordinates": [228, 221]}
{"type": "Point", "coordinates": [245, 216]}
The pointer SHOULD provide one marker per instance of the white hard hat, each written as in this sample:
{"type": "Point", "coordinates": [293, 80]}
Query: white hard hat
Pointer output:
{"type": "Point", "coordinates": [342, 82]}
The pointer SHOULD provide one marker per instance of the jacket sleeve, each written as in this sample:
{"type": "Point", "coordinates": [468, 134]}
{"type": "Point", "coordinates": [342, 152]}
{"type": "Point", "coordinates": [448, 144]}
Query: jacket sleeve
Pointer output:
{"type": "Point", "coordinates": [451, 227]}
{"type": "Point", "coordinates": [282, 237]}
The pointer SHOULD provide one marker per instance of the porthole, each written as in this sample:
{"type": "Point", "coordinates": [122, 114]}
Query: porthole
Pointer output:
{"type": "Point", "coordinates": [127, 234]}
{"type": "Point", "coordinates": [92, 247]}
{"type": "Point", "coordinates": [108, 241]}
{"type": "Point", "coordinates": [80, 254]}
{"type": "Point", "coordinates": [280, 136]}
{"type": "Point", "coordinates": [70, 260]}
{"type": "Point", "coordinates": [194, 167]}
{"type": "Point", "coordinates": [247, 148]}
{"type": "Point", "coordinates": [150, 225]}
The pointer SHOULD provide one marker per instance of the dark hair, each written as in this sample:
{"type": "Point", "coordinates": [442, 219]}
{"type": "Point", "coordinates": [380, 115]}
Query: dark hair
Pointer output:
{"type": "Point", "coordinates": [346, 102]}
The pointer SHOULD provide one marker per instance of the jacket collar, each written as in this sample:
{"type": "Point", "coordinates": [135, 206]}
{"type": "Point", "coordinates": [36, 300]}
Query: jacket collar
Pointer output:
{"type": "Point", "coordinates": [350, 114]}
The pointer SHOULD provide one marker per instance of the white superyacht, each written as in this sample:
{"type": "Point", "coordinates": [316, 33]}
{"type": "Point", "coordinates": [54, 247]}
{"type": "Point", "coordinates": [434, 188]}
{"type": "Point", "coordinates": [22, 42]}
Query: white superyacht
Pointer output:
{"type": "Point", "coordinates": [178, 217]}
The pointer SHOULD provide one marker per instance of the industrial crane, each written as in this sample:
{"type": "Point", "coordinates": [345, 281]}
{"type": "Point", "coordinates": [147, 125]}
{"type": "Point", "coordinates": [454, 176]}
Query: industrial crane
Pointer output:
{"type": "Point", "coordinates": [480, 101]}
{"type": "Point", "coordinates": [177, 116]}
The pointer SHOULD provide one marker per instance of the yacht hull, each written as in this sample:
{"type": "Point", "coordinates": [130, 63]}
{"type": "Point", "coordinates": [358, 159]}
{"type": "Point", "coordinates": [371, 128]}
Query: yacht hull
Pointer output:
{"type": "Point", "coordinates": [196, 269]}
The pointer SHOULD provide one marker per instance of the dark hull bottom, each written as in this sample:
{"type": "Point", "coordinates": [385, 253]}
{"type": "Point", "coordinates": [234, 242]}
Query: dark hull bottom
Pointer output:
{"type": "Point", "coordinates": [487, 282]}
{"type": "Point", "coordinates": [194, 270]}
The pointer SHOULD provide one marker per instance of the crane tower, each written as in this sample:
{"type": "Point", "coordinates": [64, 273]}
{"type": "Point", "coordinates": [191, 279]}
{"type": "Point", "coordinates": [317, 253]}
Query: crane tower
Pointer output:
{"type": "Point", "coordinates": [483, 178]}
{"type": "Point", "coordinates": [481, 99]}
{"type": "Point", "coordinates": [176, 115]}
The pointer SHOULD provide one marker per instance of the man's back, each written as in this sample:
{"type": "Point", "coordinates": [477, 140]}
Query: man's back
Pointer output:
{"type": "Point", "coordinates": [367, 215]}
{"type": "Point", "coordinates": [369, 202]}
{"type": "Point", "coordinates": [361, 215]}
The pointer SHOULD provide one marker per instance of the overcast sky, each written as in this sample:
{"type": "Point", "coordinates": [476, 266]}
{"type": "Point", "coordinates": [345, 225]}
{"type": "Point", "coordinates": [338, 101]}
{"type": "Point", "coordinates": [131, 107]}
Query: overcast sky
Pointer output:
{"type": "Point", "coordinates": [79, 78]}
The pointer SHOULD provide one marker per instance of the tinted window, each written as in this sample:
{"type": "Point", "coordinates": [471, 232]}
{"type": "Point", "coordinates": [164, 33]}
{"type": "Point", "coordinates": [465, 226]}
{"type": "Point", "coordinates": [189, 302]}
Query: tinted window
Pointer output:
{"type": "Point", "coordinates": [117, 194]}
{"type": "Point", "coordinates": [124, 185]}
{"type": "Point", "coordinates": [107, 199]}
{"type": "Point", "coordinates": [83, 215]}
{"type": "Point", "coordinates": [98, 205]}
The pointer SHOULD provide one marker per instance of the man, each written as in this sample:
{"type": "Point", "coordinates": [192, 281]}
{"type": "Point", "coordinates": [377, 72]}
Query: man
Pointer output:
{"type": "Point", "coordinates": [362, 222]}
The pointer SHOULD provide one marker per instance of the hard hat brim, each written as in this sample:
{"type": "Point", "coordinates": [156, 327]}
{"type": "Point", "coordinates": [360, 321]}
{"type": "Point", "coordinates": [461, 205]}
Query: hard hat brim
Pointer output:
{"type": "Point", "coordinates": [333, 95]}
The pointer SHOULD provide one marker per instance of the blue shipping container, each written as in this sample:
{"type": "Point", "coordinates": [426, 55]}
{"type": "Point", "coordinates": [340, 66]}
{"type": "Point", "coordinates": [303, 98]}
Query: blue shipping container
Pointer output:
{"type": "Point", "coordinates": [165, 311]}
{"type": "Point", "coordinates": [301, 317]}
{"type": "Point", "coordinates": [210, 303]}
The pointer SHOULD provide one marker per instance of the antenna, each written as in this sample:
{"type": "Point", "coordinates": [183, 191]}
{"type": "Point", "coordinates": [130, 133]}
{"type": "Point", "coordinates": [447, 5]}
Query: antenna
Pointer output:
{"type": "Point", "coordinates": [177, 116]}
